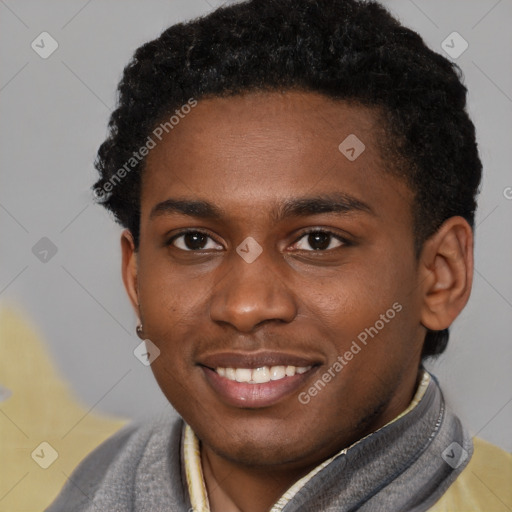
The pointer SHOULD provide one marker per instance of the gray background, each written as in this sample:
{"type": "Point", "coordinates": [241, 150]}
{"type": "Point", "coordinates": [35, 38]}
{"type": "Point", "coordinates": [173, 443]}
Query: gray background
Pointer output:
{"type": "Point", "coordinates": [53, 116]}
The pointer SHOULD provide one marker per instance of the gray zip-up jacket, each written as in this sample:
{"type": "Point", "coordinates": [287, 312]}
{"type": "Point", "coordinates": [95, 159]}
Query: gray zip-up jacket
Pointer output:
{"type": "Point", "coordinates": [405, 466]}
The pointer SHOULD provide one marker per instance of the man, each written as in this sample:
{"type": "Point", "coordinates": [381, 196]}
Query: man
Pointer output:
{"type": "Point", "coordinates": [297, 183]}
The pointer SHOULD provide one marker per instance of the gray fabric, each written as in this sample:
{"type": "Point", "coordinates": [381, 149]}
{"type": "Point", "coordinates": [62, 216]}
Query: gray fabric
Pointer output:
{"type": "Point", "coordinates": [399, 468]}
{"type": "Point", "coordinates": [136, 470]}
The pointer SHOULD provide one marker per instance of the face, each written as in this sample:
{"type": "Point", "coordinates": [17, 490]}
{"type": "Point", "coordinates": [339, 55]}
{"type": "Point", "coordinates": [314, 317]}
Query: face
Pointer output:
{"type": "Point", "coordinates": [266, 254]}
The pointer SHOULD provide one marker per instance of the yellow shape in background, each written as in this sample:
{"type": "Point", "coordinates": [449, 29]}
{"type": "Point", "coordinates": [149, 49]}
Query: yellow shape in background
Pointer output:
{"type": "Point", "coordinates": [37, 420]}
{"type": "Point", "coordinates": [484, 485]}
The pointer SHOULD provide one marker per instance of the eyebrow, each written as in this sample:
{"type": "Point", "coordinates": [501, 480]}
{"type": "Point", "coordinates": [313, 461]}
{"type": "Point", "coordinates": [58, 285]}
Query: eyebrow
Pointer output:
{"type": "Point", "coordinates": [338, 203]}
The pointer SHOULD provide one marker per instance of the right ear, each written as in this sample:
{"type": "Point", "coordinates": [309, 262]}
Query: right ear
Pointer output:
{"type": "Point", "coordinates": [129, 269]}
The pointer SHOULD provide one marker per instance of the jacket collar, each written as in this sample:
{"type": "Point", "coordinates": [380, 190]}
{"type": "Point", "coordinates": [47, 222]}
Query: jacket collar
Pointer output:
{"type": "Point", "coordinates": [372, 468]}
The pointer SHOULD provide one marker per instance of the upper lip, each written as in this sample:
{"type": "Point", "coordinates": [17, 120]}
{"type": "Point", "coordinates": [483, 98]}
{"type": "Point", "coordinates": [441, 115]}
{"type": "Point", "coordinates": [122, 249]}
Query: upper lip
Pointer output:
{"type": "Point", "coordinates": [256, 360]}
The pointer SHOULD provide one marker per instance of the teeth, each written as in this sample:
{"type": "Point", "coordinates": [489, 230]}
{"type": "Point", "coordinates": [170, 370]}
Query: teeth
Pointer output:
{"type": "Point", "coordinates": [261, 375]}
{"type": "Point", "coordinates": [290, 371]}
{"type": "Point", "coordinates": [243, 375]}
{"type": "Point", "coordinates": [277, 372]}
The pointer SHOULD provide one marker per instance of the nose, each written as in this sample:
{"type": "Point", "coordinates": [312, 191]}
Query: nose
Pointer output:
{"type": "Point", "coordinates": [252, 294]}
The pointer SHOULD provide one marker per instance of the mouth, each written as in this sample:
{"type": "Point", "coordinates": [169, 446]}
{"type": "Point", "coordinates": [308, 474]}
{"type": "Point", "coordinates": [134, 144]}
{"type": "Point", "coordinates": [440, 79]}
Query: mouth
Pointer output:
{"type": "Point", "coordinates": [256, 380]}
{"type": "Point", "coordinates": [262, 374]}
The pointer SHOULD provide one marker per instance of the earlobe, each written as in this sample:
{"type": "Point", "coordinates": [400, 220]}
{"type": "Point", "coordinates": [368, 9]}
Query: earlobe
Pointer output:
{"type": "Point", "coordinates": [446, 273]}
{"type": "Point", "coordinates": [129, 269]}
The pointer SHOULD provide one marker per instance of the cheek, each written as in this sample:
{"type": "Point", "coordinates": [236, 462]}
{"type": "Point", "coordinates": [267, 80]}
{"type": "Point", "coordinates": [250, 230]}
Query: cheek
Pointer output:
{"type": "Point", "coordinates": [356, 294]}
{"type": "Point", "coordinates": [169, 295]}
{"type": "Point", "coordinates": [369, 310]}
{"type": "Point", "coordinates": [171, 311]}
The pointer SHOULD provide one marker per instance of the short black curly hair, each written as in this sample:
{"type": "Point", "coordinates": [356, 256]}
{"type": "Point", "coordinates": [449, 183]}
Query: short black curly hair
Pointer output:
{"type": "Point", "coordinates": [349, 50]}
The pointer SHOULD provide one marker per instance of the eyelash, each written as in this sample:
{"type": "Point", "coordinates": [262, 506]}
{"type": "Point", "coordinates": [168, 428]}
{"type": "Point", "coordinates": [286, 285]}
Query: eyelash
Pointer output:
{"type": "Point", "coordinates": [309, 231]}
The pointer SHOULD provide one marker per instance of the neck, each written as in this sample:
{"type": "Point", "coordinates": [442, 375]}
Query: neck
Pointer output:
{"type": "Point", "coordinates": [237, 488]}
{"type": "Point", "coordinates": [232, 488]}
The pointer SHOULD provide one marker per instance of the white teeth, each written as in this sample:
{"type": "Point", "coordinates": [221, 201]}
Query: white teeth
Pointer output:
{"type": "Point", "coordinates": [261, 375]}
{"type": "Point", "coordinates": [277, 372]}
{"type": "Point", "coordinates": [290, 371]}
{"type": "Point", "coordinates": [243, 375]}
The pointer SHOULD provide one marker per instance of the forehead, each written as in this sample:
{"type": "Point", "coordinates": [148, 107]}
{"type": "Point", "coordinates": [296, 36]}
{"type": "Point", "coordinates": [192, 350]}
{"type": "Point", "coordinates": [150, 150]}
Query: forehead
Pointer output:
{"type": "Point", "coordinates": [296, 124]}
{"type": "Point", "coordinates": [259, 147]}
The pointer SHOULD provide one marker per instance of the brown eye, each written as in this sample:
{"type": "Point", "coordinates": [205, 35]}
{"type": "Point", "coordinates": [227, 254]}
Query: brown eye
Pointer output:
{"type": "Point", "coordinates": [319, 240]}
{"type": "Point", "coordinates": [193, 241]}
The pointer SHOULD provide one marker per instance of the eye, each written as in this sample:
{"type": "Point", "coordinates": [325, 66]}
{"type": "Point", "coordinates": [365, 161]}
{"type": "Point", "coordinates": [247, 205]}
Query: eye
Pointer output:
{"type": "Point", "coordinates": [193, 241]}
{"type": "Point", "coordinates": [320, 240]}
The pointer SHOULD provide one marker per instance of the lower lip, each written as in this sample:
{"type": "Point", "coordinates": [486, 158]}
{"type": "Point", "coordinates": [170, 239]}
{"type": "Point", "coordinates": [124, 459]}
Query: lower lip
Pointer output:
{"type": "Point", "coordinates": [253, 396]}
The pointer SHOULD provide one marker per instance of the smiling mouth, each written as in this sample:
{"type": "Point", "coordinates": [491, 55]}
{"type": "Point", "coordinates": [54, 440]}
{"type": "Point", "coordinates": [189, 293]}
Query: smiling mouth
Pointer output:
{"type": "Point", "coordinates": [252, 380]}
{"type": "Point", "coordinates": [262, 374]}
{"type": "Point", "coordinates": [255, 381]}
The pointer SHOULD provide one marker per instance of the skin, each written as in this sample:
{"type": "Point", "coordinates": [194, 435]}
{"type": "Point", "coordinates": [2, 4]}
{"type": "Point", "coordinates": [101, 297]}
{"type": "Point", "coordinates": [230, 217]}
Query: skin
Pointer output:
{"type": "Point", "coordinates": [247, 155]}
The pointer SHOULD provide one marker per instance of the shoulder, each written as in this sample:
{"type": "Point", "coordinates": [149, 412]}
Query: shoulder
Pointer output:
{"type": "Point", "coordinates": [484, 485]}
{"type": "Point", "coordinates": [114, 470]}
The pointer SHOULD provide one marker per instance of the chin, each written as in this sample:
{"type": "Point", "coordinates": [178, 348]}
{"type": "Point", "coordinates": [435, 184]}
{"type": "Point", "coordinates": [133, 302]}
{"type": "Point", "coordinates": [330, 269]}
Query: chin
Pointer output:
{"type": "Point", "coordinates": [254, 454]}
{"type": "Point", "coordinates": [270, 443]}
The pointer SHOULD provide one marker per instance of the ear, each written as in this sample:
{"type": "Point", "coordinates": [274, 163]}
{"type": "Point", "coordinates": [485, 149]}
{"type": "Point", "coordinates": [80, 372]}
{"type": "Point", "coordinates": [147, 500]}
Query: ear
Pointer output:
{"type": "Point", "coordinates": [129, 269]}
{"type": "Point", "coordinates": [446, 273]}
